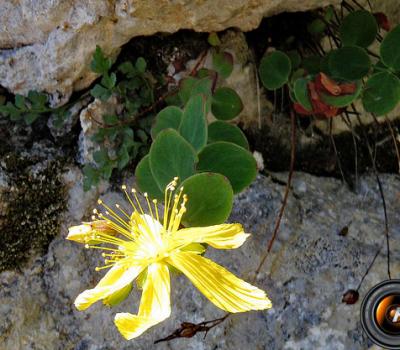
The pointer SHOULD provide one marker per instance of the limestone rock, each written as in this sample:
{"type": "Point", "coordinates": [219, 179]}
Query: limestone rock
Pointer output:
{"type": "Point", "coordinates": [47, 46]}
{"type": "Point", "coordinates": [309, 269]}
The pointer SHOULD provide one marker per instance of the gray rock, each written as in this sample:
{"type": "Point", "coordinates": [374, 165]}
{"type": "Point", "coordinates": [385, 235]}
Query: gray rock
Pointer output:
{"type": "Point", "coordinates": [47, 45]}
{"type": "Point", "coordinates": [309, 269]}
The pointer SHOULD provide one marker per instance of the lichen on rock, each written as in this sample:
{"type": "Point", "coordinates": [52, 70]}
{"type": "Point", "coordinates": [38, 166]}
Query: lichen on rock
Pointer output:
{"type": "Point", "coordinates": [32, 199]}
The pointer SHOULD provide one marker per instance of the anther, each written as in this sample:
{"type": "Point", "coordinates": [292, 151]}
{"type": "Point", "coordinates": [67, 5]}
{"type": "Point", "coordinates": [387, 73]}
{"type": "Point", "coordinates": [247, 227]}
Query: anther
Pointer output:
{"type": "Point", "coordinates": [99, 201]}
{"type": "Point", "coordinates": [123, 187]}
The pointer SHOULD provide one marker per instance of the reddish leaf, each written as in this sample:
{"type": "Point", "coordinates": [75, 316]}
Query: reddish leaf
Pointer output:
{"type": "Point", "coordinates": [348, 88]}
{"type": "Point", "coordinates": [382, 21]}
{"type": "Point", "coordinates": [322, 80]}
{"type": "Point", "coordinates": [301, 110]}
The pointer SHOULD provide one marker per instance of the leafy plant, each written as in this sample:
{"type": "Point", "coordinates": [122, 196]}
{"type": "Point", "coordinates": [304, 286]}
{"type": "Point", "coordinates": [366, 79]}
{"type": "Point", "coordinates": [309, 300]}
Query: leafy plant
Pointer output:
{"type": "Point", "coordinates": [213, 157]}
{"type": "Point", "coordinates": [324, 85]}
{"type": "Point", "coordinates": [31, 107]}
{"type": "Point", "coordinates": [121, 137]}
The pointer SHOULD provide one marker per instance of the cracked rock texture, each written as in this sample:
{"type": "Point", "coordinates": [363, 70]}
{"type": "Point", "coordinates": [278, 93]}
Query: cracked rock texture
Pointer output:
{"type": "Point", "coordinates": [309, 269]}
{"type": "Point", "coordinates": [47, 45]}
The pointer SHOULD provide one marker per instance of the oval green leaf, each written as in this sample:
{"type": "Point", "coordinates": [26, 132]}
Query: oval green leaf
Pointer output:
{"type": "Point", "coordinates": [168, 118]}
{"type": "Point", "coordinates": [226, 104]}
{"type": "Point", "coordinates": [343, 100]}
{"type": "Point", "coordinates": [223, 63]}
{"type": "Point", "coordinates": [359, 28]}
{"type": "Point", "coordinates": [145, 179]}
{"type": "Point", "coordinates": [381, 93]}
{"type": "Point", "coordinates": [210, 207]}
{"type": "Point", "coordinates": [185, 88]}
{"type": "Point", "coordinates": [300, 90]}
{"type": "Point", "coordinates": [194, 124]}
{"type": "Point", "coordinates": [274, 70]}
{"type": "Point", "coordinates": [231, 160]}
{"type": "Point", "coordinates": [349, 63]}
{"type": "Point", "coordinates": [223, 131]}
{"type": "Point", "coordinates": [171, 155]}
{"type": "Point", "coordinates": [390, 49]}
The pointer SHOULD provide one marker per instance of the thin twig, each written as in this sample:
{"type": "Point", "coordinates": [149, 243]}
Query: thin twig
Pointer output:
{"type": "Point", "coordinates": [286, 195]}
{"type": "Point", "coordinates": [369, 268]}
{"type": "Point", "coordinates": [378, 180]}
{"type": "Point", "coordinates": [394, 140]}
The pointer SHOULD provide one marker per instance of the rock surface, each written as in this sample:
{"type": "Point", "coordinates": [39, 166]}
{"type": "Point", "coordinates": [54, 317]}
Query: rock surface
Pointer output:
{"type": "Point", "coordinates": [47, 46]}
{"type": "Point", "coordinates": [309, 269]}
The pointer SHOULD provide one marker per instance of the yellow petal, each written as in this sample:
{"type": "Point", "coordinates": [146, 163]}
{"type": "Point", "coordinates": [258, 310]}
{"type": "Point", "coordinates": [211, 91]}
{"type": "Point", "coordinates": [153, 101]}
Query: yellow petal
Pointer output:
{"type": "Point", "coordinates": [155, 305]}
{"type": "Point", "coordinates": [79, 233]}
{"type": "Point", "coordinates": [84, 233]}
{"type": "Point", "coordinates": [225, 236]}
{"type": "Point", "coordinates": [115, 279]}
{"type": "Point", "coordinates": [221, 287]}
{"type": "Point", "coordinates": [148, 232]}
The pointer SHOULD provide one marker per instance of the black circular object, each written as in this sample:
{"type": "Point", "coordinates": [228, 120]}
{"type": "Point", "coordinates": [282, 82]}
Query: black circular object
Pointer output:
{"type": "Point", "coordinates": [380, 314]}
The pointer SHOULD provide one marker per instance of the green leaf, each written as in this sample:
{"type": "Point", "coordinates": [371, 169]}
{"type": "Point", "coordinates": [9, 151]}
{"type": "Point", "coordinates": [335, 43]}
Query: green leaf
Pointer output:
{"type": "Point", "coordinates": [19, 101]}
{"type": "Point", "coordinates": [390, 49]}
{"type": "Point", "coordinates": [141, 65]}
{"type": "Point", "coordinates": [185, 88]}
{"type": "Point", "coordinates": [37, 99]}
{"type": "Point", "coordinates": [100, 92]}
{"type": "Point", "coordinates": [316, 27]}
{"type": "Point", "coordinates": [223, 63]}
{"type": "Point", "coordinates": [274, 70]}
{"type": "Point", "coordinates": [171, 155]}
{"type": "Point", "coordinates": [231, 160]}
{"type": "Point", "coordinates": [145, 179]}
{"type": "Point", "coordinates": [202, 86]}
{"type": "Point", "coordinates": [123, 158]}
{"type": "Point", "coordinates": [223, 131]}
{"type": "Point", "coordinates": [31, 117]}
{"type": "Point", "coordinates": [300, 90]}
{"type": "Point", "coordinates": [343, 100]}
{"type": "Point", "coordinates": [108, 81]}
{"type": "Point", "coordinates": [210, 200]}
{"type": "Point", "coordinates": [101, 156]}
{"type": "Point", "coordinates": [349, 63]}
{"type": "Point", "coordinates": [359, 28]}
{"type": "Point", "coordinates": [90, 177]}
{"type": "Point", "coordinates": [295, 58]}
{"type": "Point", "coordinates": [193, 126]}
{"type": "Point", "coordinates": [213, 39]}
{"type": "Point", "coordinates": [100, 64]}
{"type": "Point", "coordinates": [110, 119]}
{"type": "Point", "coordinates": [168, 118]}
{"type": "Point", "coordinates": [312, 64]}
{"type": "Point", "coordinates": [381, 93]}
{"type": "Point", "coordinates": [226, 104]}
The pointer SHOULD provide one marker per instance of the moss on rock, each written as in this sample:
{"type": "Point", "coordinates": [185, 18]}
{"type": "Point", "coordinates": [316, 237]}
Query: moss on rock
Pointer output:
{"type": "Point", "coordinates": [32, 204]}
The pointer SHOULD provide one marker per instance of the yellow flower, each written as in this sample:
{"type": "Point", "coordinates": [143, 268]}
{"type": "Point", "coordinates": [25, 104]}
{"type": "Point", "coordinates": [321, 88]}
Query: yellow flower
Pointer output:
{"type": "Point", "coordinates": [138, 244]}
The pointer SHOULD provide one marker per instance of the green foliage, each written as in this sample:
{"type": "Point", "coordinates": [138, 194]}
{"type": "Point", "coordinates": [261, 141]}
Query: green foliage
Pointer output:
{"type": "Point", "coordinates": [349, 63]}
{"type": "Point", "coordinates": [193, 126]}
{"type": "Point", "coordinates": [223, 131]}
{"type": "Point", "coordinates": [359, 28]}
{"type": "Point", "coordinates": [301, 92]}
{"type": "Point", "coordinates": [390, 49]}
{"type": "Point", "coordinates": [180, 135]}
{"type": "Point", "coordinates": [171, 155]}
{"type": "Point", "coordinates": [223, 63]}
{"type": "Point", "coordinates": [231, 160]}
{"type": "Point", "coordinates": [210, 199]}
{"type": "Point", "coordinates": [326, 83]}
{"type": "Point", "coordinates": [382, 93]}
{"type": "Point", "coordinates": [274, 70]}
{"type": "Point", "coordinates": [30, 108]}
{"type": "Point", "coordinates": [168, 118]}
{"type": "Point", "coordinates": [121, 138]}
{"type": "Point", "coordinates": [226, 104]}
